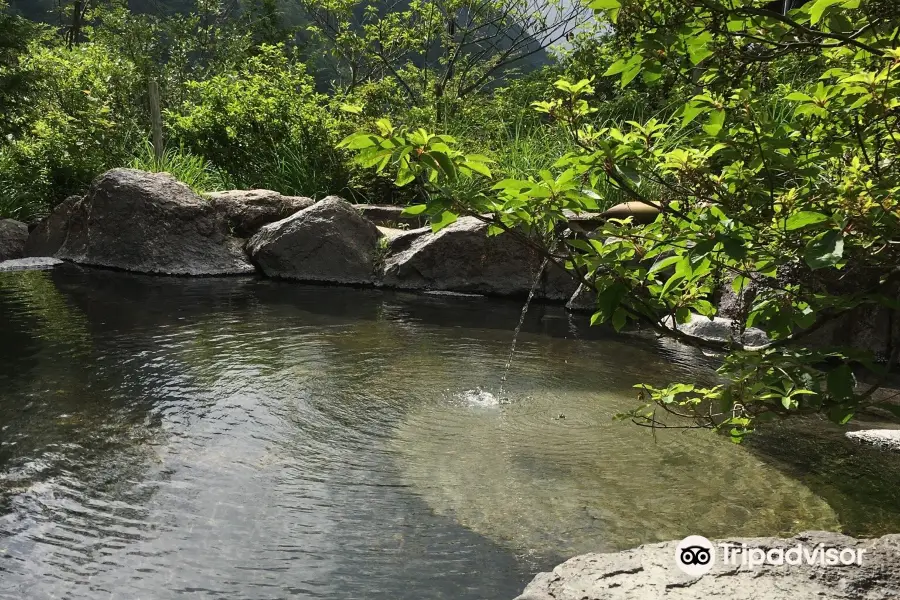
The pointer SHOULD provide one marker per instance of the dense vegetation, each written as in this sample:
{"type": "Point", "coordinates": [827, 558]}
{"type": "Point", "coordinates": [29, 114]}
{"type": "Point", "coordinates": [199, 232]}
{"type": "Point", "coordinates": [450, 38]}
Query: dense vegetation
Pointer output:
{"type": "Point", "coordinates": [768, 141]}
{"type": "Point", "coordinates": [252, 94]}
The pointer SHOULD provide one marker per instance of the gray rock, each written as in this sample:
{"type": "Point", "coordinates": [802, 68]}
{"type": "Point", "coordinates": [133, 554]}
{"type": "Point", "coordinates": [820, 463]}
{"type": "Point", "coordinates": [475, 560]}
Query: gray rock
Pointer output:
{"type": "Point", "coordinates": [649, 572]}
{"type": "Point", "coordinates": [463, 258]}
{"type": "Point", "coordinates": [867, 328]}
{"type": "Point", "coordinates": [584, 223]}
{"type": "Point", "coordinates": [150, 223]}
{"type": "Point", "coordinates": [246, 211]}
{"type": "Point", "coordinates": [13, 235]}
{"type": "Point", "coordinates": [30, 263]}
{"type": "Point", "coordinates": [399, 240]}
{"type": "Point", "coordinates": [734, 305]}
{"type": "Point", "coordinates": [883, 438]}
{"type": "Point", "coordinates": [48, 237]}
{"type": "Point", "coordinates": [329, 241]}
{"type": "Point", "coordinates": [719, 329]}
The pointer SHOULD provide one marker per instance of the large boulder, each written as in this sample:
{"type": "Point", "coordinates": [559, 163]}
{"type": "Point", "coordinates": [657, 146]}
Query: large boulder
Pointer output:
{"type": "Point", "coordinates": [463, 258]}
{"type": "Point", "coordinates": [150, 223]}
{"type": "Point", "coordinates": [650, 573]}
{"type": "Point", "coordinates": [329, 242]}
{"type": "Point", "coordinates": [246, 211]}
{"type": "Point", "coordinates": [47, 238]}
{"type": "Point", "coordinates": [13, 235]}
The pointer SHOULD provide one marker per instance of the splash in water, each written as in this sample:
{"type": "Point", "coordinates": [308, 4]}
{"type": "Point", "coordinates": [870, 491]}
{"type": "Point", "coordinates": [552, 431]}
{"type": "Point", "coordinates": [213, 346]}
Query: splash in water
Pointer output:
{"type": "Point", "coordinates": [479, 397]}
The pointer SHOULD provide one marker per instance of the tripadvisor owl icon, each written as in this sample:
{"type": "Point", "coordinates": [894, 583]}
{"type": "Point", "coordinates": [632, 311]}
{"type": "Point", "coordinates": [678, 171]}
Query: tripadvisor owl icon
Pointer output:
{"type": "Point", "coordinates": [695, 555]}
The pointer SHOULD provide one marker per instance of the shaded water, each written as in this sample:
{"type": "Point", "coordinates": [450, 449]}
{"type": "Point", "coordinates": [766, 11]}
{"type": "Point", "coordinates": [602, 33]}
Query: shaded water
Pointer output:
{"type": "Point", "coordinates": [237, 438]}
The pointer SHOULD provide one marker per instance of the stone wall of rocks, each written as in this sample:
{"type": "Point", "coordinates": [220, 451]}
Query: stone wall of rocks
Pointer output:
{"type": "Point", "coordinates": [151, 223]}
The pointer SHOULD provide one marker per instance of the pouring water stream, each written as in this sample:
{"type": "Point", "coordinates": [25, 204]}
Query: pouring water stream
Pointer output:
{"type": "Point", "coordinates": [512, 348]}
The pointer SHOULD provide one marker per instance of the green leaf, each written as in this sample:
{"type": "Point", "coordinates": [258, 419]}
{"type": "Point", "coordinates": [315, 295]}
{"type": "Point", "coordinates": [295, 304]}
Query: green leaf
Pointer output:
{"type": "Point", "coordinates": [816, 10]}
{"type": "Point", "coordinates": [478, 167]}
{"type": "Point", "coordinates": [788, 402]}
{"type": "Point", "coordinates": [358, 141]}
{"type": "Point", "coordinates": [739, 283]}
{"type": "Point", "coordinates": [415, 209]}
{"type": "Point", "coordinates": [616, 68]}
{"type": "Point", "coordinates": [714, 125]}
{"type": "Point", "coordinates": [671, 283]}
{"type": "Point", "coordinates": [446, 218]}
{"type": "Point", "coordinates": [662, 264]}
{"type": "Point", "coordinates": [619, 318]}
{"type": "Point", "coordinates": [692, 111]}
{"type": "Point", "coordinates": [608, 300]}
{"type": "Point", "coordinates": [803, 218]}
{"type": "Point", "coordinates": [351, 108]}
{"type": "Point", "coordinates": [604, 4]}
{"type": "Point", "coordinates": [825, 250]}
{"type": "Point", "coordinates": [404, 177]}
{"type": "Point", "coordinates": [629, 74]}
{"type": "Point", "coordinates": [445, 162]}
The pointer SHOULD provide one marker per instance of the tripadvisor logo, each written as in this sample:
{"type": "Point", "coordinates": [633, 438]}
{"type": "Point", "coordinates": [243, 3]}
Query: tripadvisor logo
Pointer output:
{"type": "Point", "coordinates": [695, 555]}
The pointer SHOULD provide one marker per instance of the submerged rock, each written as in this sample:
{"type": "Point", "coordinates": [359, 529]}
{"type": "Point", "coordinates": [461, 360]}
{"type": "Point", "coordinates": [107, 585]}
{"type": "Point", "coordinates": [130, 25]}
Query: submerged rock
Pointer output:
{"type": "Point", "coordinates": [246, 211]}
{"type": "Point", "coordinates": [463, 258]}
{"type": "Point", "coordinates": [888, 439]}
{"type": "Point", "coordinates": [29, 264]}
{"type": "Point", "coordinates": [48, 237]}
{"type": "Point", "coordinates": [150, 223]}
{"type": "Point", "coordinates": [13, 235]}
{"type": "Point", "coordinates": [649, 572]}
{"type": "Point", "coordinates": [329, 241]}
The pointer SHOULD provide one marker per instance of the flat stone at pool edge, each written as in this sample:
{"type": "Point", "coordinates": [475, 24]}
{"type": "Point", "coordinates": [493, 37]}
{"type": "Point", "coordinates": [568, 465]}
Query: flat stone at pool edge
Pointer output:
{"type": "Point", "coordinates": [34, 263]}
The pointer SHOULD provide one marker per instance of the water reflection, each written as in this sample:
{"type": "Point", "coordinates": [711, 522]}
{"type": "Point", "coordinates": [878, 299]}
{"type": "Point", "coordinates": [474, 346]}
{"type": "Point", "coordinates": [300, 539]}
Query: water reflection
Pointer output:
{"type": "Point", "coordinates": [240, 438]}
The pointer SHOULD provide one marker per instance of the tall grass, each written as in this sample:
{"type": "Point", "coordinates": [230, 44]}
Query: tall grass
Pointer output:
{"type": "Point", "coordinates": [195, 171]}
{"type": "Point", "coordinates": [21, 198]}
{"type": "Point", "coordinates": [306, 165]}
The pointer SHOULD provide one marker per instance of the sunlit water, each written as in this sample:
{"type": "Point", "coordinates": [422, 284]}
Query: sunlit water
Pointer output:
{"type": "Point", "coordinates": [237, 438]}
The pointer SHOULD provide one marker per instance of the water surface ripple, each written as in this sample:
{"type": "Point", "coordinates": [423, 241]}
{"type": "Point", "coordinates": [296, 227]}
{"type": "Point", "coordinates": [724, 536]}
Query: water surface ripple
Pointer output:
{"type": "Point", "coordinates": [236, 438]}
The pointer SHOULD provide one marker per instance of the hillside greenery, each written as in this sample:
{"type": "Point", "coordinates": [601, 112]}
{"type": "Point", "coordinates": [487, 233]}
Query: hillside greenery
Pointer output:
{"type": "Point", "coordinates": [252, 96]}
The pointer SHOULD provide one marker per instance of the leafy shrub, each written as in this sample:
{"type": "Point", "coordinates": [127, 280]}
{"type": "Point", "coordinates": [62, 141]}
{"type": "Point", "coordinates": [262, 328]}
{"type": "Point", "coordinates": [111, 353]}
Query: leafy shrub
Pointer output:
{"type": "Point", "coordinates": [82, 118]}
{"type": "Point", "coordinates": [263, 124]}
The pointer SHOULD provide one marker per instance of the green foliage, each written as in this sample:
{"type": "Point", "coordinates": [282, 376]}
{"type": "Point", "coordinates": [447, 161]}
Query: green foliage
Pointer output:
{"type": "Point", "coordinates": [763, 171]}
{"type": "Point", "coordinates": [76, 119]}
{"type": "Point", "coordinates": [195, 171]}
{"type": "Point", "coordinates": [261, 123]}
{"type": "Point", "coordinates": [439, 53]}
